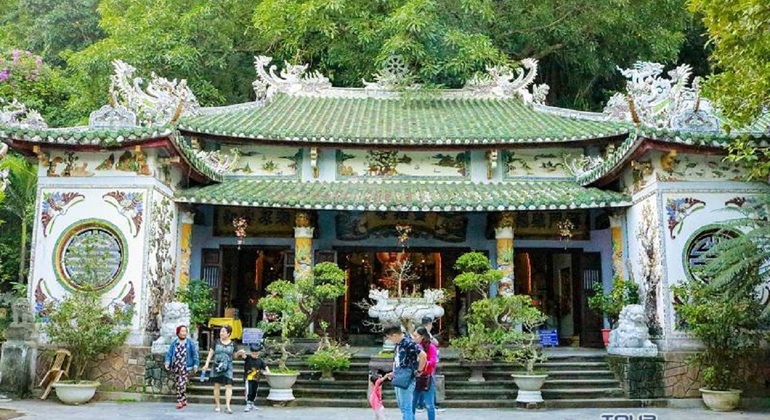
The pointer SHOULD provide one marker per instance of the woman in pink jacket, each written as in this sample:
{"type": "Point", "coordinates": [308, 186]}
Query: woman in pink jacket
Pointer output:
{"type": "Point", "coordinates": [425, 388]}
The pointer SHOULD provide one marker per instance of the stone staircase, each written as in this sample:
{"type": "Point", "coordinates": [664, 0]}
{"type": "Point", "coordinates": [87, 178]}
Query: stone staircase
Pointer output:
{"type": "Point", "coordinates": [577, 378]}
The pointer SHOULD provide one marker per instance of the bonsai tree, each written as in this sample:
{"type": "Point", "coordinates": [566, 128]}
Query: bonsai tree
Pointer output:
{"type": "Point", "coordinates": [624, 292]}
{"type": "Point", "coordinates": [81, 322]}
{"type": "Point", "coordinates": [476, 274]}
{"type": "Point", "coordinates": [330, 356]}
{"type": "Point", "coordinates": [197, 295]}
{"type": "Point", "coordinates": [730, 328]}
{"type": "Point", "coordinates": [523, 347]}
{"type": "Point", "coordinates": [477, 346]}
{"type": "Point", "coordinates": [301, 298]}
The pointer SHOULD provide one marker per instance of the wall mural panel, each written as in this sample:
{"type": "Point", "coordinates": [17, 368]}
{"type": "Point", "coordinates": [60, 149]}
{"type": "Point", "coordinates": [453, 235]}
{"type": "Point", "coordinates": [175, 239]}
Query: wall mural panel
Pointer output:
{"type": "Point", "coordinates": [264, 161]}
{"type": "Point", "coordinates": [356, 163]}
{"type": "Point", "coordinates": [545, 163]}
{"type": "Point", "coordinates": [672, 166]}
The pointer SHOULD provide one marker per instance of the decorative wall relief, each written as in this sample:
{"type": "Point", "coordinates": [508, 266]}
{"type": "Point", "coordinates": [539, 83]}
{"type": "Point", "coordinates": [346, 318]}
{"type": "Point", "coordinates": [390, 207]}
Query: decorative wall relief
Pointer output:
{"type": "Point", "coordinates": [130, 205]}
{"type": "Point", "coordinates": [94, 240]}
{"type": "Point", "coordinates": [650, 264]}
{"type": "Point", "coordinates": [265, 161]}
{"type": "Point", "coordinates": [55, 204]}
{"type": "Point", "coordinates": [751, 206]}
{"type": "Point", "coordinates": [42, 301]}
{"type": "Point", "coordinates": [448, 227]}
{"type": "Point", "coordinates": [697, 168]}
{"type": "Point", "coordinates": [127, 162]}
{"type": "Point", "coordinates": [548, 163]}
{"type": "Point", "coordinates": [697, 247]}
{"type": "Point", "coordinates": [160, 272]}
{"type": "Point", "coordinates": [394, 163]}
{"type": "Point", "coordinates": [640, 172]}
{"type": "Point", "coordinates": [679, 209]}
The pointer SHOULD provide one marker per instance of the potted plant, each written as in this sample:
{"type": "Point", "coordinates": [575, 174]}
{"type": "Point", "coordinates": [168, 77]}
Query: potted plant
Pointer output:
{"type": "Point", "coordinates": [730, 327]}
{"type": "Point", "coordinates": [197, 295]}
{"type": "Point", "coordinates": [329, 356]}
{"type": "Point", "coordinates": [283, 303]}
{"type": "Point", "coordinates": [523, 347]}
{"type": "Point", "coordinates": [84, 326]}
{"type": "Point", "coordinates": [624, 292]}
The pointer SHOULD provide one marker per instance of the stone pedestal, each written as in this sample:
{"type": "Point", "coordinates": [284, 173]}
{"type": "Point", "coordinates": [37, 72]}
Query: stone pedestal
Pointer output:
{"type": "Point", "coordinates": [19, 352]}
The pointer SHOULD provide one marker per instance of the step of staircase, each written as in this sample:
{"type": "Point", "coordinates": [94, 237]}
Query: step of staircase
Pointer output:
{"type": "Point", "coordinates": [582, 380]}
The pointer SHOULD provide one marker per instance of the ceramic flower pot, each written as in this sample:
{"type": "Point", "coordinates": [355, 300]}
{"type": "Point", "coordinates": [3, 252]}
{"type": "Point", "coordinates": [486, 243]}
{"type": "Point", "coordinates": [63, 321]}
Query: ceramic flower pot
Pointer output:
{"type": "Point", "coordinates": [280, 386]}
{"type": "Point", "coordinates": [721, 400]}
{"type": "Point", "coordinates": [73, 393]}
{"type": "Point", "coordinates": [529, 387]}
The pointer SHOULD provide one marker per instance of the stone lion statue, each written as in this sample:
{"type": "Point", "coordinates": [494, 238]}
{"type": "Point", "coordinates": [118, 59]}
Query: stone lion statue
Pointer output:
{"type": "Point", "coordinates": [174, 314]}
{"type": "Point", "coordinates": [632, 337]}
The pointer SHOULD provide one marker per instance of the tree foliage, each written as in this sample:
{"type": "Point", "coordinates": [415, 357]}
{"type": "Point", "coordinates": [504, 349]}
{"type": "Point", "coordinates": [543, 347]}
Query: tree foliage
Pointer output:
{"type": "Point", "coordinates": [579, 42]}
{"type": "Point", "coordinates": [197, 295]}
{"type": "Point", "coordinates": [738, 31]}
{"type": "Point", "coordinates": [208, 43]}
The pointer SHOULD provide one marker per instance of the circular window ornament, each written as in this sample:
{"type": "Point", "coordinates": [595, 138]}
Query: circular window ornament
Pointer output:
{"type": "Point", "coordinates": [90, 253]}
{"type": "Point", "coordinates": [696, 250]}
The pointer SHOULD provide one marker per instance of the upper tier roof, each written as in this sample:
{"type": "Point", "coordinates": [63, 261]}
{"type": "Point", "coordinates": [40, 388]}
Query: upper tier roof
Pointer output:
{"type": "Point", "coordinates": [398, 121]}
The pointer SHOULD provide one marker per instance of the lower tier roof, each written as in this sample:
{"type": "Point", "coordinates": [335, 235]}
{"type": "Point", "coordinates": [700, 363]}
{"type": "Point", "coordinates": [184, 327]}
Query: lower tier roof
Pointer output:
{"type": "Point", "coordinates": [403, 195]}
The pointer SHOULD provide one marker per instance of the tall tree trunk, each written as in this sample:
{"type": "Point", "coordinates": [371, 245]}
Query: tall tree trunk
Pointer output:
{"type": "Point", "coordinates": [23, 251]}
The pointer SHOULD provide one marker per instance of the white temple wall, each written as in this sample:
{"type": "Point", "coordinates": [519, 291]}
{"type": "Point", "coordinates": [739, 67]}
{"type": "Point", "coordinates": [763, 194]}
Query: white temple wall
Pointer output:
{"type": "Point", "coordinates": [113, 197]}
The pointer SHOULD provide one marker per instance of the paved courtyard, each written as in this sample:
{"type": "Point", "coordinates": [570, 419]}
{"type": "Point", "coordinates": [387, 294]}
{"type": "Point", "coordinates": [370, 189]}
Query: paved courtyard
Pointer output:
{"type": "Point", "coordinates": [34, 409]}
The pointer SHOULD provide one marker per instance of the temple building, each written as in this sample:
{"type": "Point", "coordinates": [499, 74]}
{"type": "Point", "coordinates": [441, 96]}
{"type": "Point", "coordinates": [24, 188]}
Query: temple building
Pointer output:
{"type": "Point", "coordinates": [242, 195]}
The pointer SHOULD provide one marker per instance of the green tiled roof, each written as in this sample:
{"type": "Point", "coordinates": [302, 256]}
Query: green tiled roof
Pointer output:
{"type": "Point", "coordinates": [399, 195]}
{"type": "Point", "coordinates": [193, 160]}
{"type": "Point", "coordinates": [104, 137]}
{"type": "Point", "coordinates": [408, 121]}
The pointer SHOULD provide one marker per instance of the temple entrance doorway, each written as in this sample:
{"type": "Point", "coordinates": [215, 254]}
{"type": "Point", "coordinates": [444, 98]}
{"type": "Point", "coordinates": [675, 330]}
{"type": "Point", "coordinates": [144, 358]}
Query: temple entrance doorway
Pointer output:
{"type": "Point", "coordinates": [560, 283]}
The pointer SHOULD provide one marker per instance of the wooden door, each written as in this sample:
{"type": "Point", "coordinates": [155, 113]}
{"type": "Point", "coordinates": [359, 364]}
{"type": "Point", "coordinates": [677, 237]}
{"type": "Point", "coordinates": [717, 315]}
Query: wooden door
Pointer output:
{"type": "Point", "coordinates": [590, 321]}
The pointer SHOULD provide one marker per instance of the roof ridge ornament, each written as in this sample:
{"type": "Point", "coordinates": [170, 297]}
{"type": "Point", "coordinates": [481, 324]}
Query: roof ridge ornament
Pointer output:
{"type": "Point", "coordinates": [16, 114]}
{"type": "Point", "coordinates": [163, 102]}
{"type": "Point", "coordinates": [500, 82]}
{"type": "Point", "coordinates": [394, 74]}
{"type": "Point", "coordinates": [293, 79]}
{"type": "Point", "coordinates": [658, 102]}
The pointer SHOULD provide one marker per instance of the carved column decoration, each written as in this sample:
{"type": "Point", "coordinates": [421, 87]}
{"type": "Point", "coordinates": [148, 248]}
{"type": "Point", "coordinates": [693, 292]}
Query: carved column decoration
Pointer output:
{"type": "Point", "coordinates": [303, 244]}
{"type": "Point", "coordinates": [185, 247]}
{"type": "Point", "coordinates": [504, 238]}
{"type": "Point", "coordinates": [314, 161]}
{"type": "Point", "coordinates": [616, 232]}
{"type": "Point", "coordinates": [491, 163]}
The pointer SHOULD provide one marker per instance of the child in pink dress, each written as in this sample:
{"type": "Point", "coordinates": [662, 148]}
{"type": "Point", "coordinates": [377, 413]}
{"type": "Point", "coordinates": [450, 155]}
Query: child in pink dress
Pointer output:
{"type": "Point", "coordinates": [375, 397]}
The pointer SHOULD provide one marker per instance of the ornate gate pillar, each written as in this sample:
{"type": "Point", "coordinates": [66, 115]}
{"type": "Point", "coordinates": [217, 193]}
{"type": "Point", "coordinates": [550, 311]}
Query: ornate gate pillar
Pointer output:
{"type": "Point", "coordinates": [504, 238]}
{"type": "Point", "coordinates": [303, 244]}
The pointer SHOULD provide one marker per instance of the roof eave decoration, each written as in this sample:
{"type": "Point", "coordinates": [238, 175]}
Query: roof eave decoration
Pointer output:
{"type": "Point", "coordinates": [500, 82]}
{"type": "Point", "coordinates": [588, 170]}
{"type": "Point", "coordinates": [663, 103]}
{"type": "Point", "coordinates": [208, 164]}
{"type": "Point", "coordinates": [163, 102]}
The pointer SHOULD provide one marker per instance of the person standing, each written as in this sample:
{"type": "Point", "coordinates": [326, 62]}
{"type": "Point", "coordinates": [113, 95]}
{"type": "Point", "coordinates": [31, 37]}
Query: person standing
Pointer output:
{"type": "Point", "coordinates": [222, 370]}
{"type": "Point", "coordinates": [425, 388]}
{"type": "Point", "coordinates": [406, 355]}
{"type": "Point", "coordinates": [427, 322]}
{"type": "Point", "coordinates": [181, 358]}
{"type": "Point", "coordinates": [252, 367]}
